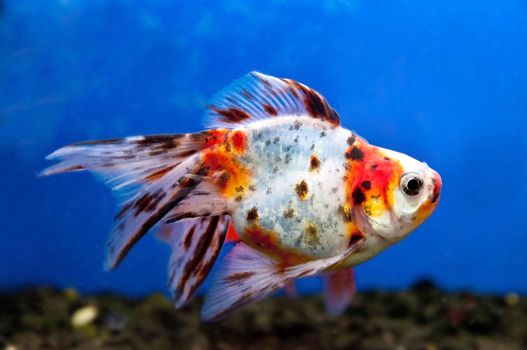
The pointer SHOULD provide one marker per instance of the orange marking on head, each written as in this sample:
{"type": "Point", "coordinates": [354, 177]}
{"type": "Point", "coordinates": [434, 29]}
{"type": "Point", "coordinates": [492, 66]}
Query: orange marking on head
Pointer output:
{"type": "Point", "coordinates": [371, 178]}
{"type": "Point", "coordinates": [424, 212]}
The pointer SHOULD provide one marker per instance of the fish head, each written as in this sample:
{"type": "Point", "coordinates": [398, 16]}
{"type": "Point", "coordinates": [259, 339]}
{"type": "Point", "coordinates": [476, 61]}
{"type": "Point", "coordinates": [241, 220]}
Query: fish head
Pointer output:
{"type": "Point", "coordinates": [397, 194]}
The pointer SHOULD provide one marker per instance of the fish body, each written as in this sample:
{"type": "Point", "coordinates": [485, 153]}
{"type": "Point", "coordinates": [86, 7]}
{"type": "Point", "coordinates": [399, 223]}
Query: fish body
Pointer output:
{"type": "Point", "coordinates": [301, 194]}
{"type": "Point", "coordinates": [290, 205]}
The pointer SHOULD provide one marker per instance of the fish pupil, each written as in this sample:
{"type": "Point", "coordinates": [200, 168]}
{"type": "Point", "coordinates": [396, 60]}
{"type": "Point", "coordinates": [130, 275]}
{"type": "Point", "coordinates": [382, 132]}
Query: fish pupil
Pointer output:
{"type": "Point", "coordinates": [413, 186]}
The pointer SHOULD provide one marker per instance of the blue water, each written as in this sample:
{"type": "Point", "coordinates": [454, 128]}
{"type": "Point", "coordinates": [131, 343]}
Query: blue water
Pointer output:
{"type": "Point", "coordinates": [443, 81]}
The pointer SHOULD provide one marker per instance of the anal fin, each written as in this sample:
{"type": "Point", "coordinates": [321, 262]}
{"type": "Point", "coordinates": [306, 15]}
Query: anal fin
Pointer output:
{"type": "Point", "coordinates": [339, 289]}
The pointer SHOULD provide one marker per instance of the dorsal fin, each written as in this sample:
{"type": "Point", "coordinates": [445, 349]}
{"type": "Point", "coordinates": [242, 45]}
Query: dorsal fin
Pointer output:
{"type": "Point", "coordinates": [257, 96]}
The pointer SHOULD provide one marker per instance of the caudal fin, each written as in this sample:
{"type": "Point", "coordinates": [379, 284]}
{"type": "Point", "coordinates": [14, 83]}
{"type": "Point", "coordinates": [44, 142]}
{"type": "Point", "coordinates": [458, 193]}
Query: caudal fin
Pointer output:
{"type": "Point", "coordinates": [151, 175]}
{"type": "Point", "coordinates": [195, 245]}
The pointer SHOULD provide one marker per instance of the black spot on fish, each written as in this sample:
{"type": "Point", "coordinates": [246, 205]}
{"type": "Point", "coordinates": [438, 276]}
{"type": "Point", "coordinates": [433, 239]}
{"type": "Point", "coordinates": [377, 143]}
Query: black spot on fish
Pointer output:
{"type": "Point", "coordinates": [252, 214]}
{"type": "Point", "coordinates": [301, 190]}
{"type": "Point", "coordinates": [358, 196]}
{"type": "Point", "coordinates": [289, 213]}
{"type": "Point", "coordinates": [366, 184]}
{"type": "Point", "coordinates": [355, 154]}
{"type": "Point", "coordinates": [311, 235]}
{"type": "Point", "coordinates": [270, 109]}
{"type": "Point", "coordinates": [231, 115]}
{"type": "Point", "coordinates": [314, 163]}
{"type": "Point", "coordinates": [297, 124]}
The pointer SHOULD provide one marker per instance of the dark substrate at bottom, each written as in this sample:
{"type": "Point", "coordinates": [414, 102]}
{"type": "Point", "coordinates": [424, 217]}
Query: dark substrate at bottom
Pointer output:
{"type": "Point", "coordinates": [420, 318]}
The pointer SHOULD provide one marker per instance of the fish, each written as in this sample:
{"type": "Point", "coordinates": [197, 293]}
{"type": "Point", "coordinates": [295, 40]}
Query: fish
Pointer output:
{"type": "Point", "coordinates": [274, 176]}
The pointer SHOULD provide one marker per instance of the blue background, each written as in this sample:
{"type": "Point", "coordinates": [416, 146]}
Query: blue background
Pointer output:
{"type": "Point", "coordinates": [443, 81]}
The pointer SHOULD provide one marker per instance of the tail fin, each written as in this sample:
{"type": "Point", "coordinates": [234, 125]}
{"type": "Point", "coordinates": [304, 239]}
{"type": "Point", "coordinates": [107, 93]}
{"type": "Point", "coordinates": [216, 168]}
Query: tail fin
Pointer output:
{"type": "Point", "coordinates": [195, 245]}
{"type": "Point", "coordinates": [151, 175]}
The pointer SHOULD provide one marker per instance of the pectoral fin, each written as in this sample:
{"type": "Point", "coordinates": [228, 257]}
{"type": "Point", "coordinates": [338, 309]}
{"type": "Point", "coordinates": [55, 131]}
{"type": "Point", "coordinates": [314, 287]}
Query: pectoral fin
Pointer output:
{"type": "Point", "coordinates": [247, 276]}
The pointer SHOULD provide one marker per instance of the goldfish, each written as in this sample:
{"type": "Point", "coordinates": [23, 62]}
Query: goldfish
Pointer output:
{"type": "Point", "coordinates": [276, 175]}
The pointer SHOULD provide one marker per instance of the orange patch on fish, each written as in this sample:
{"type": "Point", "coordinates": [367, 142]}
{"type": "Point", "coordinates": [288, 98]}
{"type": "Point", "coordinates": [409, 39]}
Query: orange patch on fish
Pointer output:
{"type": "Point", "coordinates": [424, 211]}
{"type": "Point", "coordinates": [238, 140]}
{"type": "Point", "coordinates": [214, 137]}
{"type": "Point", "coordinates": [268, 242]}
{"type": "Point", "coordinates": [233, 177]}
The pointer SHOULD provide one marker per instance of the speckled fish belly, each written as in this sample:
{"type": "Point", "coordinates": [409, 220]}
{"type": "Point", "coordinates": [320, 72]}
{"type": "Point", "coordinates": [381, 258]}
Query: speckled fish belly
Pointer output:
{"type": "Point", "coordinates": [276, 174]}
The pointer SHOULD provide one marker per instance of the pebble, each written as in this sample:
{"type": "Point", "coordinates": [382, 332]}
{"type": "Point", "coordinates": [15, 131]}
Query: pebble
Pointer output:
{"type": "Point", "coordinates": [512, 299]}
{"type": "Point", "coordinates": [84, 316]}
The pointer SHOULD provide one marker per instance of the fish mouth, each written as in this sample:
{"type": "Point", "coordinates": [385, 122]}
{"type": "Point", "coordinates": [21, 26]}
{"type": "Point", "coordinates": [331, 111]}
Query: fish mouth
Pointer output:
{"type": "Point", "coordinates": [438, 183]}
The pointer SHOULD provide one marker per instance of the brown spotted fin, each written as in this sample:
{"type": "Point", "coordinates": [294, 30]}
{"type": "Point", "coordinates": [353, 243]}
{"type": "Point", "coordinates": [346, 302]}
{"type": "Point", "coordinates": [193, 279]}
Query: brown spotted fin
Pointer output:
{"type": "Point", "coordinates": [339, 289]}
{"type": "Point", "coordinates": [257, 96]}
{"type": "Point", "coordinates": [151, 175]}
{"type": "Point", "coordinates": [195, 245]}
{"type": "Point", "coordinates": [247, 275]}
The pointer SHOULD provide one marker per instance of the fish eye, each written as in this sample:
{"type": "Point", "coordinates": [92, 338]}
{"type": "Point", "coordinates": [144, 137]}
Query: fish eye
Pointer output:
{"type": "Point", "coordinates": [411, 184]}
